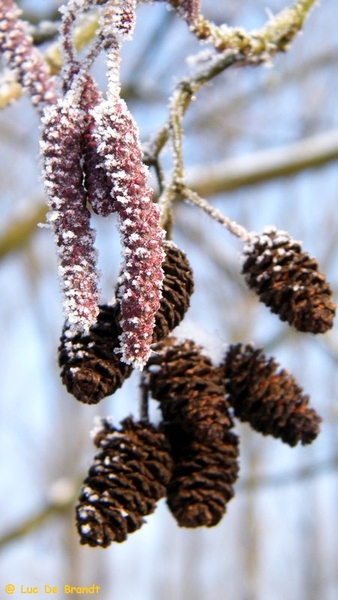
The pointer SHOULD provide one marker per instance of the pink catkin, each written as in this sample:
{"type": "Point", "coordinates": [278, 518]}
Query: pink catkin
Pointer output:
{"type": "Point", "coordinates": [20, 55]}
{"type": "Point", "coordinates": [189, 10]}
{"type": "Point", "coordinates": [96, 181]}
{"type": "Point", "coordinates": [61, 153]}
{"type": "Point", "coordinates": [141, 281]}
{"type": "Point", "coordinates": [118, 20]}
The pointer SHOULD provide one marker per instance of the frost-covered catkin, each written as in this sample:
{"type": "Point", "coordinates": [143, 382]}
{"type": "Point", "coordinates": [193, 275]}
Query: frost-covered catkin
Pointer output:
{"type": "Point", "coordinates": [141, 281]}
{"type": "Point", "coordinates": [117, 19]}
{"type": "Point", "coordinates": [118, 145]}
{"type": "Point", "coordinates": [20, 55]}
{"type": "Point", "coordinates": [95, 177]}
{"type": "Point", "coordinates": [68, 215]}
{"type": "Point", "coordinates": [187, 9]}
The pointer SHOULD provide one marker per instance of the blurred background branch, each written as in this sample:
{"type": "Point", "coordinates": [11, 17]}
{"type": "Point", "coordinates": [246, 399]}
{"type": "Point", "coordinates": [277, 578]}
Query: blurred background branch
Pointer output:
{"type": "Point", "coordinates": [224, 176]}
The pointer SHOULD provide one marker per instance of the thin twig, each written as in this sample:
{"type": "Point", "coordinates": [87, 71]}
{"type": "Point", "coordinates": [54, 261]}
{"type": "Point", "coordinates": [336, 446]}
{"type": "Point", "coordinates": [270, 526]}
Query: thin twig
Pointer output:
{"type": "Point", "coordinates": [253, 484]}
{"type": "Point", "coordinates": [274, 36]}
{"type": "Point", "coordinates": [234, 228]}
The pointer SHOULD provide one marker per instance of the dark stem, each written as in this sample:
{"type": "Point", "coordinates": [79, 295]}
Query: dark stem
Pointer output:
{"type": "Point", "coordinates": [144, 400]}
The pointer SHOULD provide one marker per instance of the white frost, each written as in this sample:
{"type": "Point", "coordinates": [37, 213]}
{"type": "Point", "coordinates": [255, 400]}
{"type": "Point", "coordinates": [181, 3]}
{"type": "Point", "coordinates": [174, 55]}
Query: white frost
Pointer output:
{"type": "Point", "coordinates": [212, 345]}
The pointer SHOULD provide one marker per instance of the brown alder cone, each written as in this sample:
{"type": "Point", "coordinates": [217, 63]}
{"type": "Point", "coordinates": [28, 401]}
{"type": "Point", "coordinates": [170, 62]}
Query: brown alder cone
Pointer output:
{"type": "Point", "coordinates": [203, 477]}
{"type": "Point", "coordinates": [90, 367]}
{"type": "Point", "coordinates": [178, 286]}
{"type": "Point", "coordinates": [288, 281]}
{"type": "Point", "coordinates": [189, 388]}
{"type": "Point", "coordinates": [270, 400]}
{"type": "Point", "coordinates": [127, 478]}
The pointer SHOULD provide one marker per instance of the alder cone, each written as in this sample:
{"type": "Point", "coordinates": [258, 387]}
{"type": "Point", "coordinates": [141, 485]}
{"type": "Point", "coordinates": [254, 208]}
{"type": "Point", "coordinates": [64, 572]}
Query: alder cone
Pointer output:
{"type": "Point", "coordinates": [90, 367]}
{"type": "Point", "coordinates": [203, 477]}
{"type": "Point", "coordinates": [288, 281]}
{"type": "Point", "coordinates": [270, 400]}
{"type": "Point", "coordinates": [127, 478]}
{"type": "Point", "coordinates": [189, 388]}
{"type": "Point", "coordinates": [178, 286]}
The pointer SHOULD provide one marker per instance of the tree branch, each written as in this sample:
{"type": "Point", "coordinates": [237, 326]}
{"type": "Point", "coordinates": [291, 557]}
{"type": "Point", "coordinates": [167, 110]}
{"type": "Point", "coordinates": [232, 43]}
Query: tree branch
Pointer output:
{"type": "Point", "coordinates": [18, 233]}
{"type": "Point", "coordinates": [235, 173]}
{"type": "Point", "coordinates": [250, 484]}
{"type": "Point", "coordinates": [225, 176]}
{"type": "Point", "coordinates": [34, 522]}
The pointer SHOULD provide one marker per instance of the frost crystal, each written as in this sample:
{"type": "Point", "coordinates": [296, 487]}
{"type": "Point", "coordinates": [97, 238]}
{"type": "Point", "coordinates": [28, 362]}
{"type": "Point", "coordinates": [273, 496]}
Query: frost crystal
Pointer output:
{"type": "Point", "coordinates": [211, 345]}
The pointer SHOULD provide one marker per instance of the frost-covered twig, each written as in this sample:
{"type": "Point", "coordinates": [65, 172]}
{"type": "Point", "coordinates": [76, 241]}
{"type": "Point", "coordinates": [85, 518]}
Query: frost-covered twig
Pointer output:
{"type": "Point", "coordinates": [234, 228]}
{"type": "Point", "coordinates": [168, 194]}
{"type": "Point", "coordinates": [236, 46]}
{"type": "Point", "coordinates": [273, 37]}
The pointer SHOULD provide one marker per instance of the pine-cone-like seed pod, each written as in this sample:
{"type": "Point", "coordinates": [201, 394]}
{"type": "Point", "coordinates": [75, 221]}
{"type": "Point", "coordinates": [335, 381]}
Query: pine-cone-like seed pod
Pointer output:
{"type": "Point", "coordinates": [90, 367]}
{"type": "Point", "coordinates": [203, 477]}
{"type": "Point", "coordinates": [189, 388]}
{"type": "Point", "coordinates": [178, 286]}
{"type": "Point", "coordinates": [288, 281]}
{"type": "Point", "coordinates": [270, 400]}
{"type": "Point", "coordinates": [127, 478]}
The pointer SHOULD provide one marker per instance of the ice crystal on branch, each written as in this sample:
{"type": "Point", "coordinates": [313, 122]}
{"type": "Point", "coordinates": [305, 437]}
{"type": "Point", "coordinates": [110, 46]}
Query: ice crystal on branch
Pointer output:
{"type": "Point", "coordinates": [61, 154]}
{"type": "Point", "coordinates": [141, 281]}
{"type": "Point", "coordinates": [20, 55]}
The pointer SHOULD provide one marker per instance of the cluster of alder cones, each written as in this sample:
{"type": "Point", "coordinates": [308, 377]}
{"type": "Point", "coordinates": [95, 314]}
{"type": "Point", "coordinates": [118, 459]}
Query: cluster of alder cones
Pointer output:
{"type": "Point", "coordinates": [191, 457]}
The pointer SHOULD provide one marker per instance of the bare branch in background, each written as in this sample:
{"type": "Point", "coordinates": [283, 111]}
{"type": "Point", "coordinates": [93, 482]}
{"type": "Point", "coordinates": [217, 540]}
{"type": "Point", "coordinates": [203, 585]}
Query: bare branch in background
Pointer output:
{"type": "Point", "coordinates": [237, 173]}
